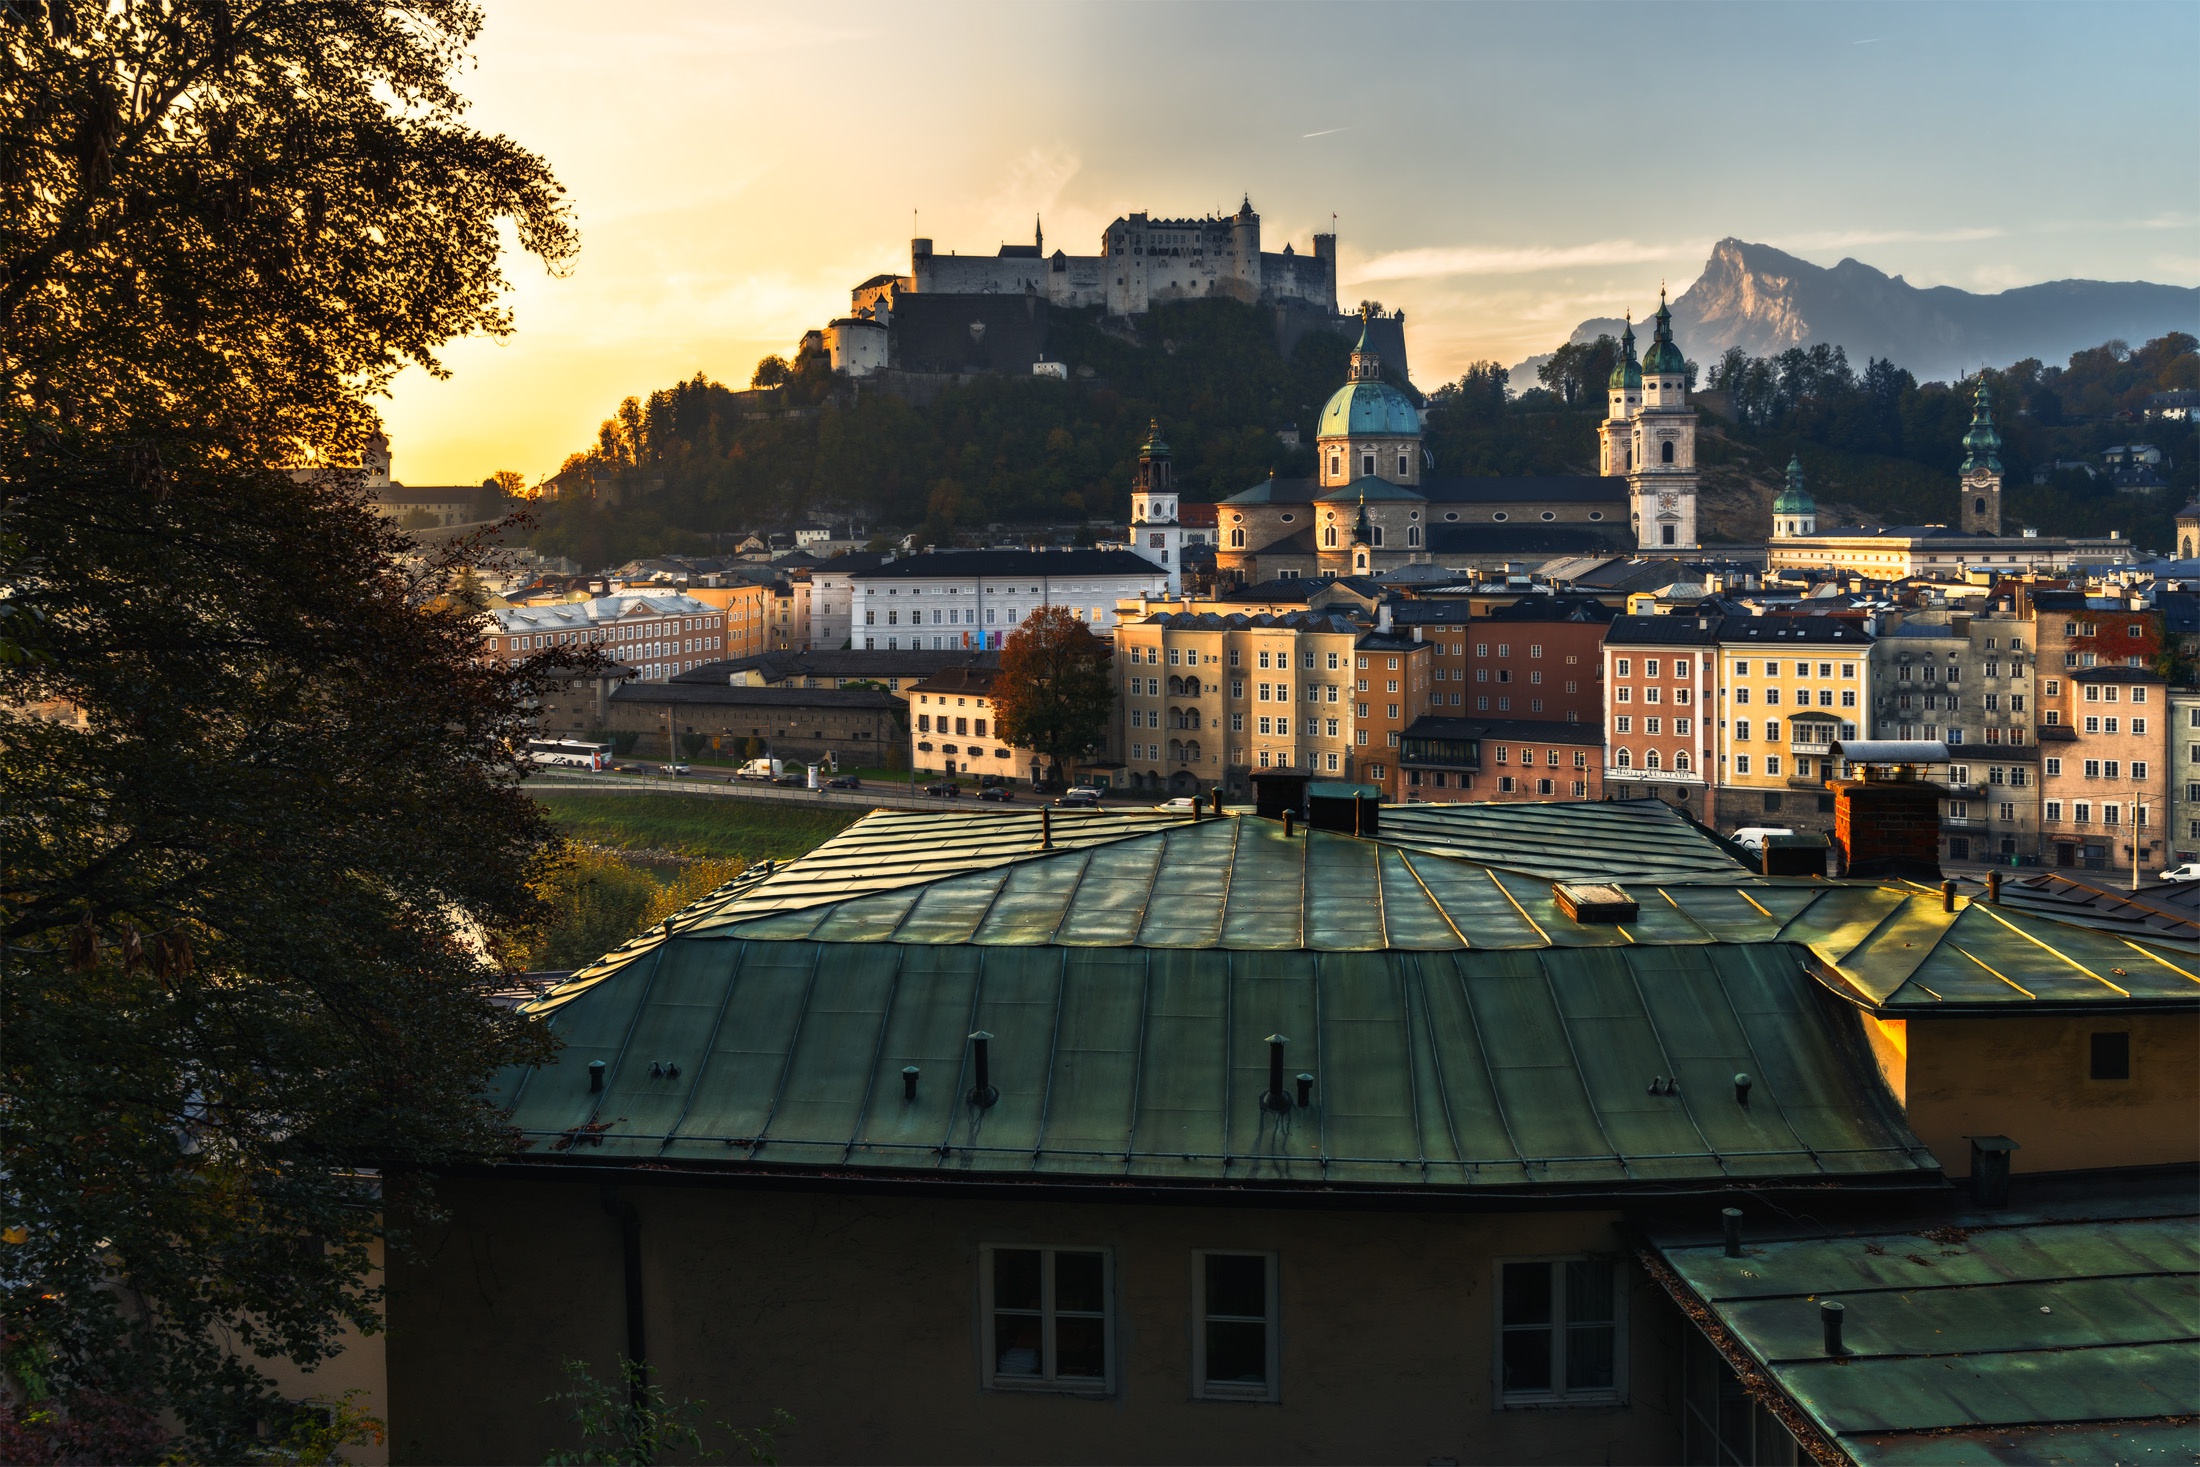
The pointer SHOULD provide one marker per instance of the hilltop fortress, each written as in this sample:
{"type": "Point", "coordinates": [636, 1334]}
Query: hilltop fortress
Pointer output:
{"type": "Point", "coordinates": [955, 313]}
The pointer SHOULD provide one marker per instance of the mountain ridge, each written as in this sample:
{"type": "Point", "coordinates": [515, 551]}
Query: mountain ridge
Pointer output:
{"type": "Point", "coordinates": [1763, 300]}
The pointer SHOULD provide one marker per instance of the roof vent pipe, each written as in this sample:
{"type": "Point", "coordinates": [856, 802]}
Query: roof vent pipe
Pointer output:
{"type": "Point", "coordinates": [1731, 1219]}
{"type": "Point", "coordinates": [1990, 1170]}
{"type": "Point", "coordinates": [595, 1075]}
{"type": "Point", "coordinates": [1306, 1089]}
{"type": "Point", "coordinates": [1287, 825]}
{"type": "Point", "coordinates": [982, 1094]}
{"type": "Point", "coordinates": [1947, 896]}
{"type": "Point", "coordinates": [1216, 795]}
{"type": "Point", "coordinates": [1274, 1097]}
{"type": "Point", "coordinates": [1046, 829]}
{"type": "Point", "coordinates": [1741, 1089]}
{"type": "Point", "coordinates": [908, 1082]}
{"type": "Point", "coordinates": [1829, 1316]}
{"type": "Point", "coordinates": [1993, 888]}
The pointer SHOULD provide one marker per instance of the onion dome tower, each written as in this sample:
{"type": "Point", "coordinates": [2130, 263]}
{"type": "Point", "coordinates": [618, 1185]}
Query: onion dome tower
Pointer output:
{"type": "Point", "coordinates": [1155, 533]}
{"type": "Point", "coordinates": [1981, 473]}
{"type": "Point", "coordinates": [1613, 434]}
{"type": "Point", "coordinates": [1794, 512]}
{"type": "Point", "coordinates": [1368, 429]}
{"type": "Point", "coordinates": [1661, 446]}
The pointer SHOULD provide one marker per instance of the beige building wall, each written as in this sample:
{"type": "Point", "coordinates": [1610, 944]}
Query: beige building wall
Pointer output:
{"type": "Point", "coordinates": [858, 1312]}
{"type": "Point", "coordinates": [1275, 697]}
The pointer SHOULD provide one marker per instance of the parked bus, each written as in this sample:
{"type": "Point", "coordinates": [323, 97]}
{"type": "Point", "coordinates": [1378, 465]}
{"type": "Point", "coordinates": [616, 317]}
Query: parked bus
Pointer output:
{"type": "Point", "coordinates": [570, 753]}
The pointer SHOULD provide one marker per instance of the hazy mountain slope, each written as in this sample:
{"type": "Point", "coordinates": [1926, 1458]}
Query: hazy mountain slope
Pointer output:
{"type": "Point", "coordinates": [1765, 300]}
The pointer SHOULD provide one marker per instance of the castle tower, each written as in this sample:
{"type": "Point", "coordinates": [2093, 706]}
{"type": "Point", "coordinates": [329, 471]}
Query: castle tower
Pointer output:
{"type": "Point", "coordinates": [1245, 250]}
{"type": "Point", "coordinates": [1155, 533]}
{"type": "Point", "coordinates": [1981, 476]}
{"type": "Point", "coordinates": [1616, 431]}
{"type": "Point", "coordinates": [1661, 448]}
{"type": "Point", "coordinates": [1794, 512]}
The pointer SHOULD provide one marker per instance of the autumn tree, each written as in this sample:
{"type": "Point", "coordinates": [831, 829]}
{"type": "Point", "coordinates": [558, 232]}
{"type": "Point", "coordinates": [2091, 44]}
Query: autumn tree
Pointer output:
{"type": "Point", "coordinates": [1054, 696]}
{"type": "Point", "coordinates": [250, 902]}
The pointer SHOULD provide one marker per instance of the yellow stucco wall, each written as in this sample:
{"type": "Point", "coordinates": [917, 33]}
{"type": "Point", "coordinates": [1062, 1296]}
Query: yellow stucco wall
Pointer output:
{"type": "Point", "coordinates": [359, 1366]}
{"type": "Point", "coordinates": [858, 1313]}
{"type": "Point", "coordinates": [2028, 1078]}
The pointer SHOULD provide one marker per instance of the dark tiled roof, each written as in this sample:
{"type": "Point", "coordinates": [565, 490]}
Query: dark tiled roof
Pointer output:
{"type": "Point", "coordinates": [968, 678]}
{"type": "Point", "coordinates": [1663, 631]}
{"type": "Point", "coordinates": [1790, 630]}
{"type": "Point", "coordinates": [1019, 564]}
{"type": "Point", "coordinates": [1480, 538]}
{"type": "Point", "coordinates": [724, 696]}
{"type": "Point", "coordinates": [2115, 675]}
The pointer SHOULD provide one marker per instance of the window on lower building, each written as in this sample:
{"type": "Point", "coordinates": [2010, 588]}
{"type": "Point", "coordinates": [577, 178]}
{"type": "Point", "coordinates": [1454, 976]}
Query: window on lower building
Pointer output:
{"type": "Point", "coordinates": [1234, 1349]}
{"type": "Point", "coordinates": [2111, 1056]}
{"type": "Point", "coordinates": [1561, 1332]}
{"type": "Point", "coordinates": [1048, 1320]}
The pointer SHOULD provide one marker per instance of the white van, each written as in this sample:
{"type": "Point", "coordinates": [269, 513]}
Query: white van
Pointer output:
{"type": "Point", "coordinates": [1751, 838]}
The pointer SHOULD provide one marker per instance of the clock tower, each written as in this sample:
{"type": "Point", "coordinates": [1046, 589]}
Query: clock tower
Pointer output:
{"type": "Point", "coordinates": [1155, 533]}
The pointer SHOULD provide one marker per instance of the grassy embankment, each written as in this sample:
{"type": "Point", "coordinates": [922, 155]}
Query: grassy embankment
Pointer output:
{"type": "Point", "coordinates": [644, 857]}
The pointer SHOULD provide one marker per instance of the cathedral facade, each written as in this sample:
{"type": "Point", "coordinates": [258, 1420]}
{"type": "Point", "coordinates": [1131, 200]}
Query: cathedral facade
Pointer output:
{"type": "Point", "coordinates": [1373, 505]}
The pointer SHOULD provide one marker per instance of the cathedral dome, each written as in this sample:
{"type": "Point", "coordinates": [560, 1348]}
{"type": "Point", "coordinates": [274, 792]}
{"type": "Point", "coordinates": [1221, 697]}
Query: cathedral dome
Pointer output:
{"type": "Point", "coordinates": [1360, 408]}
{"type": "Point", "coordinates": [1367, 404]}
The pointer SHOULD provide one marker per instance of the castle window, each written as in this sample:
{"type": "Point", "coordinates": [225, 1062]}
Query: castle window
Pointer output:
{"type": "Point", "coordinates": [1978, 506]}
{"type": "Point", "coordinates": [1336, 469]}
{"type": "Point", "coordinates": [1665, 453]}
{"type": "Point", "coordinates": [1367, 464]}
{"type": "Point", "coordinates": [1405, 466]}
{"type": "Point", "coordinates": [1549, 516]}
{"type": "Point", "coordinates": [1237, 539]}
{"type": "Point", "coordinates": [1413, 535]}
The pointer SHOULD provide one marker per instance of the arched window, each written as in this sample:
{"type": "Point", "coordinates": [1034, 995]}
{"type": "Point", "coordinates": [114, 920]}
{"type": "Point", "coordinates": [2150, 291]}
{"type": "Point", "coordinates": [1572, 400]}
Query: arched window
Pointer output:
{"type": "Point", "coordinates": [1665, 453]}
{"type": "Point", "coordinates": [1680, 761]}
{"type": "Point", "coordinates": [1625, 760]}
{"type": "Point", "coordinates": [1336, 467]}
{"type": "Point", "coordinates": [1367, 464]}
{"type": "Point", "coordinates": [1237, 539]}
{"type": "Point", "coordinates": [1191, 687]}
{"type": "Point", "coordinates": [1376, 532]}
{"type": "Point", "coordinates": [1359, 561]}
{"type": "Point", "coordinates": [1191, 751]}
{"type": "Point", "coordinates": [1650, 759]}
{"type": "Point", "coordinates": [1413, 535]}
{"type": "Point", "coordinates": [1176, 687]}
{"type": "Point", "coordinates": [1978, 505]}
{"type": "Point", "coordinates": [1329, 537]}
{"type": "Point", "coordinates": [1176, 750]}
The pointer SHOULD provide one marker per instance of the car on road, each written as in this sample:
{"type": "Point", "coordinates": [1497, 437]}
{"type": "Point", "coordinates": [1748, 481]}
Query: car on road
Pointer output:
{"type": "Point", "coordinates": [673, 769]}
{"type": "Point", "coordinates": [1079, 799]}
{"type": "Point", "coordinates": [2190, 871]}
{"type": "Point", "coordinates": [845, 782]}
{"type": "Point", "coordinates": [945, 789]}
{"type": "Point", "coordinates": [1180, 803]}
{"type": "Point", "coordinates": [997, 792]}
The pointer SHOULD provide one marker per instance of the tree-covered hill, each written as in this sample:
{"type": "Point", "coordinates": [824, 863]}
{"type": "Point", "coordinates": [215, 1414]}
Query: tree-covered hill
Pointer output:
{"type": "Point", "coordinates": [697, 459]}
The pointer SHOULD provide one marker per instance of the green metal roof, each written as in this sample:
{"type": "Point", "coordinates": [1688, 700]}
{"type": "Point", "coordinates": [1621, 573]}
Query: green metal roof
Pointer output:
{"type": "Point", "coordinates": [1794, 499]}
{"type": "Point", "coordinates": [1663, 355]}
{"type": "Point", "coordinates": [1464, 1033]}
{"type": "Point", "coordinates": [1371, 406]}
{"type": "Point", "coordinates": [1435, 1070]}
{"type": "Point", "coordinates": [2068, 1332]}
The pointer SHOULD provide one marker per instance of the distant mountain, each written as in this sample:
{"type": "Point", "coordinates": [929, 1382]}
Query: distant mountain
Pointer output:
{"type": "Point", "coordinates": [1764, 301]}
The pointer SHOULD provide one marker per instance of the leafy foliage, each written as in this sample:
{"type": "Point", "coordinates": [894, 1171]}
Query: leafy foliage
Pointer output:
{"type": "Point", "coordinates": [1053, 695]}
{"type": "Point", "coordinates": [248, 905]}
{"type": "Point", "coordinates": [631, 1423]}
{"type": "Point", "coordinates": [1892, 447]}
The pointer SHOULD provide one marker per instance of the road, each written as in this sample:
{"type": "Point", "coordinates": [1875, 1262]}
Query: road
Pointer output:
{"type": "Point", "coordinates": [874, 795]}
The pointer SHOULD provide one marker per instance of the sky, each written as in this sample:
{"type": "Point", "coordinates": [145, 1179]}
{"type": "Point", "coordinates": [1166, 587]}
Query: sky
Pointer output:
{"type": "Point", "coordinates": [1500, 172]}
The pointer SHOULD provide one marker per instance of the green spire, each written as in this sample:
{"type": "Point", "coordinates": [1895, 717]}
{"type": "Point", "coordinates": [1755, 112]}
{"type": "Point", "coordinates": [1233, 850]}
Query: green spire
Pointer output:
{"type": "Point", "coordinates": [1155, 445]}
{"type": "Point", "coordinates": [1795, 499]}
{"type": "Point", "coordinates": [1626, 372]}
{"type": "Point", "coordinates": [1361, 534]}
{"type": "Point", "coordinates": [1982, 445]}
{"type": "Point", "coordinates": [1663, 356]}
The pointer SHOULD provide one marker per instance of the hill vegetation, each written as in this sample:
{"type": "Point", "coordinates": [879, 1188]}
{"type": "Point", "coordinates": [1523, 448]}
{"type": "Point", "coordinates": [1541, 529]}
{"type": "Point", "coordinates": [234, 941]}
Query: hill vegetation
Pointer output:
{"type": "Point", "coordinates": [695, 460]}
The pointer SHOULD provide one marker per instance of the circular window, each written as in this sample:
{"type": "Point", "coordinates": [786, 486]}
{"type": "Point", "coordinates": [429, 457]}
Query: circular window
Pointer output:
{"type": "Point", "coordinates": [1413, 515]}
{"type": "Point", "coordinates": [1235, 518]}
{"type": "Point", "coordinates": [1287, 518]}
{"type": "Point", "coordinates": [1549, 516]}
{"type": "Point", "coordinates": [1596, 514]}
{"type": "Point", "coordinates": [1500, 515]}
{"type": "Point", "coordinates": [1451, 514]}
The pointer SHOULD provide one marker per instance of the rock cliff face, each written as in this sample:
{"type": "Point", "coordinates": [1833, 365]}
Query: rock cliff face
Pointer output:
{"type": "Point", "coordinates": [1764, 301]}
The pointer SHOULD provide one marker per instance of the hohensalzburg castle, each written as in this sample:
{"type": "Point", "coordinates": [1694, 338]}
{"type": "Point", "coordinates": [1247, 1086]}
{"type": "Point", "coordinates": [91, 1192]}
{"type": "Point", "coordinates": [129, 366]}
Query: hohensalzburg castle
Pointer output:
{"type": "Point", "coordinates": [959, 313]}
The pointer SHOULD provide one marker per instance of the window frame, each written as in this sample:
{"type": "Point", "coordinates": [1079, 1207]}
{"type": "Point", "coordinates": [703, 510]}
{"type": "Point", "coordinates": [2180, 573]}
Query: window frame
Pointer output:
{"type": "Point", "coordinates": [1046, 1383]}
{"type": "Point", "coordinates": [1203, 1389]}
{"type": "Point", "coordinates": [1559, 1398]}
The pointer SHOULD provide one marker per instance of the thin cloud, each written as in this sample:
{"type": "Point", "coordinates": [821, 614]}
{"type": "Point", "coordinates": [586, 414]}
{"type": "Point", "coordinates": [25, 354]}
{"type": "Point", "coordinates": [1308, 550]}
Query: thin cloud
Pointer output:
{"type": "Point", "coordinates": [1848, 239]}
{"type": "Point", "coordinates": [1868, 41]}
{"type": "Point", "coordinates": [1325, 132]}
{"type": "Point", "coordinates": [1431, 263]}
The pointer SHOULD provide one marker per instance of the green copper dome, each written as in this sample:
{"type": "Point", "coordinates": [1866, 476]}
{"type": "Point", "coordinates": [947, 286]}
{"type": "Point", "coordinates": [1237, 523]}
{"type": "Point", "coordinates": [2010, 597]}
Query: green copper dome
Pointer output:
{"type": "Point", "coordinates": [1795, 499]}
{"type": "Point", "coordinates": [1982, 445]}
{"type": "Point", "coordinates": [1626, 372]}
{"type": "Point", "coordinates": [1663, 356]}
{"type": "Point", "coordinates": [1155, 445]}
{"type": "Point", "coordinates": [1367, 404]}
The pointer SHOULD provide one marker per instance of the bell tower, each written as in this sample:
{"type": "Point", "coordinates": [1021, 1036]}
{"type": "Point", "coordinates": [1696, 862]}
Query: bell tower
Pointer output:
{"type": "Point", "coordinates": [1981, 475]}
{"type": "Point", "coordinates": [1661, 447]}
{"type": "Point", "coordinates": [1615, 432]}
{"type": "Point", "coordinates": [1155, 533]}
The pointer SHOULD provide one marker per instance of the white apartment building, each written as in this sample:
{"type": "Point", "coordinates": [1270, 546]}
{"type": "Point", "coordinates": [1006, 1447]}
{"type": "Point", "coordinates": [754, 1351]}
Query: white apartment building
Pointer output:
{"type": "Point", "coordinates": [973, 599]}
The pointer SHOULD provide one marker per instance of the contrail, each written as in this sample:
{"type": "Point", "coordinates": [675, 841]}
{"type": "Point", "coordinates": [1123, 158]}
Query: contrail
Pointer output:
{"type": "Point", "coordinates": [1325, 132]}
{"type": "Point", "coordinates": [1869, 41]}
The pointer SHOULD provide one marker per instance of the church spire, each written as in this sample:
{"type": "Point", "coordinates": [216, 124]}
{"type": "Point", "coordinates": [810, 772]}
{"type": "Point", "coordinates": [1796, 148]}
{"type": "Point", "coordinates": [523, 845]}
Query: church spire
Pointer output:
{"type": "Point", "coordinates": [1362, 533]}
{"type": "Point", "coordinates": [1981, 444]}
{"type": "Point", "coordinates": [1366, 365]}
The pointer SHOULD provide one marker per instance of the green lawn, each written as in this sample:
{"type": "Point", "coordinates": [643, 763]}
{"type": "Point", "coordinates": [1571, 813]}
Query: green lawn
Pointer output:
{"type": "Point", "coordinates": [700, 825]}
